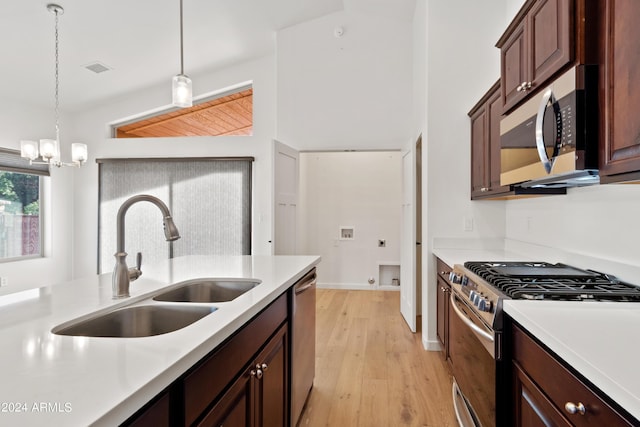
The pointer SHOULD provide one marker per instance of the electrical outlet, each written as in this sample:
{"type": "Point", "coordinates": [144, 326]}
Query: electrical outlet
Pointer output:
{"type": "Point", "coordinates": [468, 223]}
{"type": "Point", "coordinates": [4, 281]}
{"type": "Point", "coordinates": [382, 243]}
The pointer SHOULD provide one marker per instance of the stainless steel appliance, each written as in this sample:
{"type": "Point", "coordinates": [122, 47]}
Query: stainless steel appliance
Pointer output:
{"type": "Point", "coordinates": [552, 139]}
{"type": "Point", "coordinates": [303, 344]}
{"type": "Point", "coordinates": [476, 323]}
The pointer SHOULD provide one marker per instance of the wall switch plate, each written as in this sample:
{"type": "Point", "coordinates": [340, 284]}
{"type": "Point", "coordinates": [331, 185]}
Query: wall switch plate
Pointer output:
{"type": "Point", "coordinates": [4, 281]}
{"type": "Point", "coordinates": [382, 243]}
{"type": "Point", "coordinates": [468, 223]}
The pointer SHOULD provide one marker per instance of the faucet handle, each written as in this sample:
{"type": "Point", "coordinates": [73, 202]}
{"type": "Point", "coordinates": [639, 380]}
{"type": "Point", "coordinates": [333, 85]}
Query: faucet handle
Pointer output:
{"type": "Point", "coordinates": [135, 272]}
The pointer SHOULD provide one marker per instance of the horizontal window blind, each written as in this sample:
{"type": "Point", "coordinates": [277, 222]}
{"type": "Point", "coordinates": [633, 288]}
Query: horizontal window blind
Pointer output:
{"type": "Point", "coordinates": [209, 198]}
{"type": "Point", "coordinates": [10, 161]}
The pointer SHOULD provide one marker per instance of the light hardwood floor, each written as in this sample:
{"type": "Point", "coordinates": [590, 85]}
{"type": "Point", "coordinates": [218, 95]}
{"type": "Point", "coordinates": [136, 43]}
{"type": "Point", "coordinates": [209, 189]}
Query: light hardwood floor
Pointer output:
{"type": "Point", "coordinates": [370, 369]}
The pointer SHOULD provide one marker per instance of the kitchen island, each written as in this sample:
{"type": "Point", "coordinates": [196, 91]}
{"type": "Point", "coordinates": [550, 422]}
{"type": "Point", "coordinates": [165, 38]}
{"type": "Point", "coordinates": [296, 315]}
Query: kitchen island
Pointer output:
{"type": "Point", "coordinates": [66, 380]}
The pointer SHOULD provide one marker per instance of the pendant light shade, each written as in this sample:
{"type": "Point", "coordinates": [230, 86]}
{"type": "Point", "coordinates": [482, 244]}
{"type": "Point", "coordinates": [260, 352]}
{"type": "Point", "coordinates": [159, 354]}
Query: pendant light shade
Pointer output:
{"type": "Point", "coordinates": [181, 84]}
{"type": "Point", "coordinates": [182, 92]}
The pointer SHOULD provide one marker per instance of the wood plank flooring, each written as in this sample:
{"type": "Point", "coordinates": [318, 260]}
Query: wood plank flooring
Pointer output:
{"type": "Point", "coordinates": [370, 369]}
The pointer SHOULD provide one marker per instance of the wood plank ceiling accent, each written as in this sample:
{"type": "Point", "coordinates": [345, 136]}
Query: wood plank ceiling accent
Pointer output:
{"type": "Point", "coordinates": [227, 115]}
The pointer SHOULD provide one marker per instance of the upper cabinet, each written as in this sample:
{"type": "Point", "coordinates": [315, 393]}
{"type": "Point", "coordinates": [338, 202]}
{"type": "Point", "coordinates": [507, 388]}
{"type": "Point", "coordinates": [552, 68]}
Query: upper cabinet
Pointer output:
{"type": "Point", "coordinates": [546, 37]}
{"type": "Point", "coordinates": [485, 146]}
{"type": "Point", "coordinates": [619, 94]}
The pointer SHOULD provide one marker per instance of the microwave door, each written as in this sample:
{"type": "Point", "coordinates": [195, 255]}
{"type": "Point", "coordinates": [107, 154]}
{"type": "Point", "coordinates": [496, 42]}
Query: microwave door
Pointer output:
{"type": "Point", "coordinates": [556, 142]}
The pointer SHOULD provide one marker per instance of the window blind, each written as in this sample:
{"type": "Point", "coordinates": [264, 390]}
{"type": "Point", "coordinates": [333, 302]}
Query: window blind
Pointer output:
{"type": "Point", "coordinates": [209, 198]}
{"type": "Point", "coordinates": [10, 161]}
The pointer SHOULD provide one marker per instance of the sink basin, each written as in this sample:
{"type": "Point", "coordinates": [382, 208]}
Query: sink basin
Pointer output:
{"type": "Point", "coordinates": [208, 290]}
{"type": "Point", "coordinates": [138, 321]}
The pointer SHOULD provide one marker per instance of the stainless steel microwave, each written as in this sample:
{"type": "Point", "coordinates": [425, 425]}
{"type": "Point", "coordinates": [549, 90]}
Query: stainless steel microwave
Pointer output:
{"type": "Point", "coordinates": [552, 139]}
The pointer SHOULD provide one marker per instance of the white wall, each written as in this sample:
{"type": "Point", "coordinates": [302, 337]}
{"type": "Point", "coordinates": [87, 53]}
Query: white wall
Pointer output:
{"type": "Point", "coordinates": [462, 64]}
{"type": "Point", "coordinates": [91, 128]}
{"type": "Point", "coordinates": [352, 92]}
{"type": "Point", "coordinates": [23, 122]}
{"type": "Point", "coordinates": [359, 189]}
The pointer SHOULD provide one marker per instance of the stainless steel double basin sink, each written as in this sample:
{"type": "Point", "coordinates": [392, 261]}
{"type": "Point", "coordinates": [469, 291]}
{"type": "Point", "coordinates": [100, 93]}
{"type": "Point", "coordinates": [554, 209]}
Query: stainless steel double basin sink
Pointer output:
{"type": "Point", "coordinates": [167, 311]}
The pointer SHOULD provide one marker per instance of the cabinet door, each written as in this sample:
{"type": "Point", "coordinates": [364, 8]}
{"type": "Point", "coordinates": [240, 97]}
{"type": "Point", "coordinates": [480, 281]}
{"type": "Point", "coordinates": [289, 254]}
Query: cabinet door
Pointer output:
{"type": "Point", "coordinates": [272, 403]}
{"type": "Point", "coordinates": [513, 64]}
{"type": "Point", "coordinates": [494, 107]}
{"type": "Point", "coordinates": [550, 33]}
{"type": "Point", "coordinates": [443, 315]}
{"type": "Point", "coordinates": [620, 77]}
{"type": "Point", "coordinates": [479, 156]}
{"type": "Point", "coordinates": [531, 406]}
{"type": "Point", "coordinates": [235, 407]}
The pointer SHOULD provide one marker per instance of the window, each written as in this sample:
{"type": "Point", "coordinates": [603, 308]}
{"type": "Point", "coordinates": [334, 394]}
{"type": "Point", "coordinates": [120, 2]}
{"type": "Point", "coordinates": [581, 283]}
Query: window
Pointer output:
{"type": "Point", "coordinates": [209, 199]}
{"type": "Point", "coordinates": [20, 200]}
{"type": "Point", "coordinates": [224, 114]}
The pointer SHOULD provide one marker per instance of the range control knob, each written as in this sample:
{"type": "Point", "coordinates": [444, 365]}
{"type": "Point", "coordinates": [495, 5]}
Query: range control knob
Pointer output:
{"type": "Point", "coordinates": [455, 277]}
{"type": "Point", "coordinates": [464, 281]}
{"type": "Point", "coordinates": [484, 305]}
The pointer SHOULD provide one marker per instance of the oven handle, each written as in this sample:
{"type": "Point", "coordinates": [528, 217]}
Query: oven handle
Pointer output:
{"type": "Point", "coordinates": [460, 416]}
{"type": "Point", "coordinates": [481, 332]}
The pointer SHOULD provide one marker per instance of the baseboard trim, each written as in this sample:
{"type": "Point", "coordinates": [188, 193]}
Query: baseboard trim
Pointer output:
{"type": "Point", "coordinates": [431, 345]}
{"type": "Point", "coordinates": [356, 287]}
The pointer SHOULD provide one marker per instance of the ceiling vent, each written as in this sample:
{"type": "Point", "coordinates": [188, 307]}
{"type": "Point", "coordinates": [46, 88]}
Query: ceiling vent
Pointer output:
{"type": "Point", "coordinates": [97, 67]}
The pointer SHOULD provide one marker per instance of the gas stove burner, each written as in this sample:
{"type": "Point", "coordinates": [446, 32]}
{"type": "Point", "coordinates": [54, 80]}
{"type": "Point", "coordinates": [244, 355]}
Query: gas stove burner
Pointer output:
{"type": "Point", "coordinates": [545, 281]}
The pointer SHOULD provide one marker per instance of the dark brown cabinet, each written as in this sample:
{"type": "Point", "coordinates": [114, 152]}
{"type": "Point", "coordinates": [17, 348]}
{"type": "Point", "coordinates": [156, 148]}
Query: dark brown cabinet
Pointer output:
{"type": "Point", "coordinates": [546, 393]}
{"type": "Point", "coordinates": [485, 146]}
{"type": "Point", "coordinates": [538, 43]}
{"type": "Point", "coordinates": [620, 99]}
{"type": "Point", "coordinates": [259, 396]}
{"type": "Point", "coordinates": [444, 290]}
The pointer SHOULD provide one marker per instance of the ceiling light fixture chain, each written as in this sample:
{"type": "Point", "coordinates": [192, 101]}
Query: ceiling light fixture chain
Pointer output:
{"type": "Point", "coordinates": [181, 42]}
{"type": "Point", "coordinates": [56, 11]}
{"type": "Point", "coordinates": [49, 149]}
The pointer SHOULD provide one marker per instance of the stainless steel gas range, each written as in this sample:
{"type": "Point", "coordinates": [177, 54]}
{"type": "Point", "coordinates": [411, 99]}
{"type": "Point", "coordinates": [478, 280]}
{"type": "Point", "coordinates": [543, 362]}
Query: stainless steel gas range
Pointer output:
{"type": "Point", "coordinates": [476, 322]}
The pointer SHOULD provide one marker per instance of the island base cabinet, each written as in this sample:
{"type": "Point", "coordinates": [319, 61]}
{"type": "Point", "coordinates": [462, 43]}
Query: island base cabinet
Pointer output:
{"type": "Point", "coordinates": [259, 396]}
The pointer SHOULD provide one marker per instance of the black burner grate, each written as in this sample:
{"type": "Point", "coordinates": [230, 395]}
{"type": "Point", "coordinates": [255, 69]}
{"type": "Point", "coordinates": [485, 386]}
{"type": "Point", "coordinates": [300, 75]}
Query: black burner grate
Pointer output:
{"type": "Point", "coordinates": [540, 280]}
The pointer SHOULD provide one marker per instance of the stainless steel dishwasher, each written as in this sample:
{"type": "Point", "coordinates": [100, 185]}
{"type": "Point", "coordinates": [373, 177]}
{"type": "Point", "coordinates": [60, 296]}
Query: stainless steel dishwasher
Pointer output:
{"type": "Point", "coordinates": [303, 342]}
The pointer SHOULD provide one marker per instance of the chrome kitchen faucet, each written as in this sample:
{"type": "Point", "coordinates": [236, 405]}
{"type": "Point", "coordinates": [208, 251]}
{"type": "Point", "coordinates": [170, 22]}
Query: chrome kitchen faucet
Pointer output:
{"type": "Point", "coordinates": [123, 275]}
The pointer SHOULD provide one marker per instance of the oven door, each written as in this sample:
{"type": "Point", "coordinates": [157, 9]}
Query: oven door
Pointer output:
{"type": "Point", "coordinates": [471, 349]}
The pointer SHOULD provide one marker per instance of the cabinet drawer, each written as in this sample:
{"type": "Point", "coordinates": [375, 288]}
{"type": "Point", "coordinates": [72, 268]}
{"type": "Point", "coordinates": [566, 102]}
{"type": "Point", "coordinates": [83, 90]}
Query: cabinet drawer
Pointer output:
{"type": "Point", "coordinates": [207, 381]}
{"type": "Point", "coordinates": [443, 268]}
{"type": "Point", "coordinates": [560, 385]}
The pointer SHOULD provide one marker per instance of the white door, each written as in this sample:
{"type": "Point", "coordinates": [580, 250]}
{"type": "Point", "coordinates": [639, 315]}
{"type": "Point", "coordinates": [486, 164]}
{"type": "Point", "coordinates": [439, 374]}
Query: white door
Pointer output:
{"type": "Point", "coordinates": [286, 176]}
{"type": "Point", "coordinates": [408, 240]}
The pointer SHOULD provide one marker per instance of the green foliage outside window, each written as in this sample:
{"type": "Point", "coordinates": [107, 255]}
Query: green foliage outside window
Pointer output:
{"type": "Point", "coordinates": [22, 191]}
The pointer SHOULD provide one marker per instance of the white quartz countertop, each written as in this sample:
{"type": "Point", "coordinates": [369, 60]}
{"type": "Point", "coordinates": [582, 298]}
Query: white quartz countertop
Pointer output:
{"type": "Point", "coordinates": [50, 379]}
{"type": "Point", "coordinates": [598, 339]}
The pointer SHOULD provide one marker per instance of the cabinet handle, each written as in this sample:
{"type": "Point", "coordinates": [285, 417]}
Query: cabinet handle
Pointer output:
{"type": "Point", "coordinates": [256, 373]}
{"type": "Point", "coordinates": [484, 189]}
{"type": "Point", "coordinates": [523, 87]}
{"type": "Point", "coordinates": [572, 408]}
{"type": "Point", "coordinates": [264, 366]}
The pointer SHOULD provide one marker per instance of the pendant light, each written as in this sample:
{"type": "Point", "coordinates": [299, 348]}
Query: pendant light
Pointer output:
{"type": "Point", "coordinates": [181, 84]}
{"type": "Point", "coordinates": [50, 148]}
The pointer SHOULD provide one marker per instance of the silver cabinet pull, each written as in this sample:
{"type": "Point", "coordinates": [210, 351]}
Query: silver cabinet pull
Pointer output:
{"type": "Point", "coordinates": [573, 409]}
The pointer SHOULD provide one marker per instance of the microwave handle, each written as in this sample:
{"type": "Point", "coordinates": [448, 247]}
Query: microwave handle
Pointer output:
{"type": "Point", "coordinates": [547, 97]}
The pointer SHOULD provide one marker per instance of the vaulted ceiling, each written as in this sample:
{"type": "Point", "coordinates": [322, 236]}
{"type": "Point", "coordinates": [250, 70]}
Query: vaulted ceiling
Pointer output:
{"type": "Point", "coordinates": [139, 41]}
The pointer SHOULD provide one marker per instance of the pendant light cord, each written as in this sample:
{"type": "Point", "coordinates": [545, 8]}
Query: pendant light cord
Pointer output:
{"type": "Point", "coordinates": [181, 44]}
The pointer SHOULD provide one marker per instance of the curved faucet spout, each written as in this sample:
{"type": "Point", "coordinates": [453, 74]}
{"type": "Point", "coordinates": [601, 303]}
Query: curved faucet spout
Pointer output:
{"type": "Point", "coordinates": [122, 275]}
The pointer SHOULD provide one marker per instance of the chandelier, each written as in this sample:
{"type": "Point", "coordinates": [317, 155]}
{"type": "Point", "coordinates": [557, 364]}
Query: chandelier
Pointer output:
{"type": "Point", "coordinates": [49, 149]}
